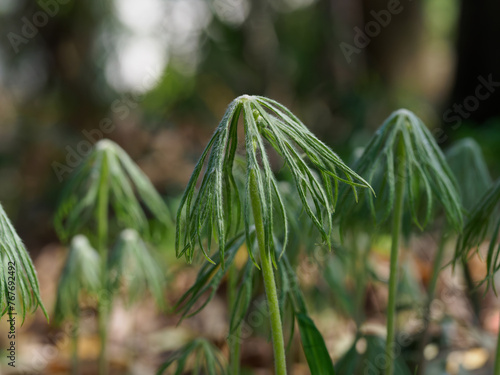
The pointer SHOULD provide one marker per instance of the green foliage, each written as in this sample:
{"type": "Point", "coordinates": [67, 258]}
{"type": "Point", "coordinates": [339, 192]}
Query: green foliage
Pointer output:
{"type": "Point", "coordinates": [314, 346]}
{"type": "Point", "coordinates": [483, 223]}
{"type": "Point", "coordinates": [208, 281]}
{"type": "Point", "coordinates": [17, 278]}
{"type": "Point", "coordinates": [81, 274]}
{"type": "Point", "coordinates": [467, 163]}
{"type": "Point", "coordinates": [216, 206]}
{"type": "Point", "coordinates": [108, 174]}
{"type": "Point", "coordinates": [317, 356]}
{"type": "Point", "coordinates": [199, 357]}
{"type": "Point", "coordinates": [132, 266]}
{"type": "Point", "coordinates": [428, 175]}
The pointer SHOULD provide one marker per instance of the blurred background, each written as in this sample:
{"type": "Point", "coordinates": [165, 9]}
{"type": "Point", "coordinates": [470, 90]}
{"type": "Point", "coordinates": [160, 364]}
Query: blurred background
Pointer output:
{"type": "Point", "coordinates": [156, 76]}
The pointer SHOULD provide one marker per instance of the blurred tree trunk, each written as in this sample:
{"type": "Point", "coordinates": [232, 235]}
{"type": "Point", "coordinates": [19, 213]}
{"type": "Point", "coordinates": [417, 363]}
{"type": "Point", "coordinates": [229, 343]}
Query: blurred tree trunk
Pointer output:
{"type": "Point", "coordinates": [478, 56]}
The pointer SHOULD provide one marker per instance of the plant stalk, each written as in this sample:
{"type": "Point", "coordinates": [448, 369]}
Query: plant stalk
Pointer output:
{"type": "Point", "coordinates": [102, 235]}
{"type": "Point", "coordinates": [74, 348]}
{"type": "Point", "coordinates": [269, 282]}
{"type": "Point", "coordinates": [235, 344]}
{"type": "Point", "coordinates": [438, 260]}
{"type": "Point", "coordinates": [472, 291]}
{"type": "Point", "coordinates": [359, 282]}
{"type": "Point", "coordinates": [394, 266]}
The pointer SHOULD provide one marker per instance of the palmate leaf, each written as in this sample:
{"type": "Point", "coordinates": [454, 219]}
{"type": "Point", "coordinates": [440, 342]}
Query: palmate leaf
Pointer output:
{"type": "Point", "coordinates": [108, 174]}
{"type": "Point", "coordinates": [81, 274]}
{"type": "Point", "coordinates": [428, 176]}
{"type": "Point", "coordinates": [467, 163]}
{"type": "Point", "coordinates": [217, 204]}
{"type": "Point", "coordinates": [16, 266]}
{"type": "Point", "coordinates": [199, 357]}
{"type": "Point", "coordinates": [483, 223]}
{"type": "Point", "coordinates": [132, 266]}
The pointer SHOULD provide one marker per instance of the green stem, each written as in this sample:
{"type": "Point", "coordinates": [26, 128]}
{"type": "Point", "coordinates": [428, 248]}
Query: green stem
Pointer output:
{"type": "Point", "coordinates": [394, 268]}
{"type": "Point", "coordinates": [234, 344]}
{"type": "Point", "coordinates": [359, 282]}
{"type": "Point", "coordinates": [74, 349]}
{"type": "Point", "coordinates": [472, 291]}
{"type": "Point", "coordinates": [102, 234]}
{"type": "Point", "coordinates": [430, 297]}
{"type": "Point", "coordinates": [496, 371]}
{"type": "Point", "coordinates": [269, 282]}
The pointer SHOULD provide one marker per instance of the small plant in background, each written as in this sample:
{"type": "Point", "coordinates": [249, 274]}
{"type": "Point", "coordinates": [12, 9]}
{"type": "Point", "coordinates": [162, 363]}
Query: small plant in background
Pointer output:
{"type": "Point", "coordinates": [484, 224]}
{"type": "Point", "coordinates": [402, 161]}
{"type": "Point", "coordinates": [80, 279]}
{"type": "Point", "coordinates": [467, 163]}
{"type": "Point", "coordinates": [107, 194]}
{"type": "Point", "coordinates": [199, 357]}
{"type": "Point", "coordinates": [18, 279]}
{"type": "Point", "coordinates": [216, 206]}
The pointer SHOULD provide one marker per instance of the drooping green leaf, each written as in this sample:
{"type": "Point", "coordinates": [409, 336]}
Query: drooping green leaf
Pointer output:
{"type": "Point", "coordinates": [17, 274]}
{"type": "Point", "coordinates": [207, 282]}
{"type": "Point", "coordinates": [482, 224]}
{"type": "Point", "coordinates": [317, 356]}
{"type": "Point", "coordinates": [243, 298]}
{"type": "Point", "coordinates": [80, 275]}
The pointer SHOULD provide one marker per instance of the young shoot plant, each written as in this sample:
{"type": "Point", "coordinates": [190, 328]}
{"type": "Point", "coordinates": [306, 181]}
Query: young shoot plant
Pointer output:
{"type": "Point", "coordinates": [199, 357]}
{"type": "Point", "coordinates": [80, 280]}
{"type": "Point", "coordinates": [107, 194]}
{"type": "Point", "coordinates": [405, 166]}
{"type": "Point", "coordinates": [217, 205]}
{"type": "Point", "coordinates": [469, 167]}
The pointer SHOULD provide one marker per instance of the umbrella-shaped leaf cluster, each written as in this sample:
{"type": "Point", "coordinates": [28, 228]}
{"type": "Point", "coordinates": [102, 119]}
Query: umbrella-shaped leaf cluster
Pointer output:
{"type": "Point", "coordinates": [428, 177]}
{"type": "Point", "coordinates": [216, 207]}
{"type": "Point", "coordinates": [108, 176]}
